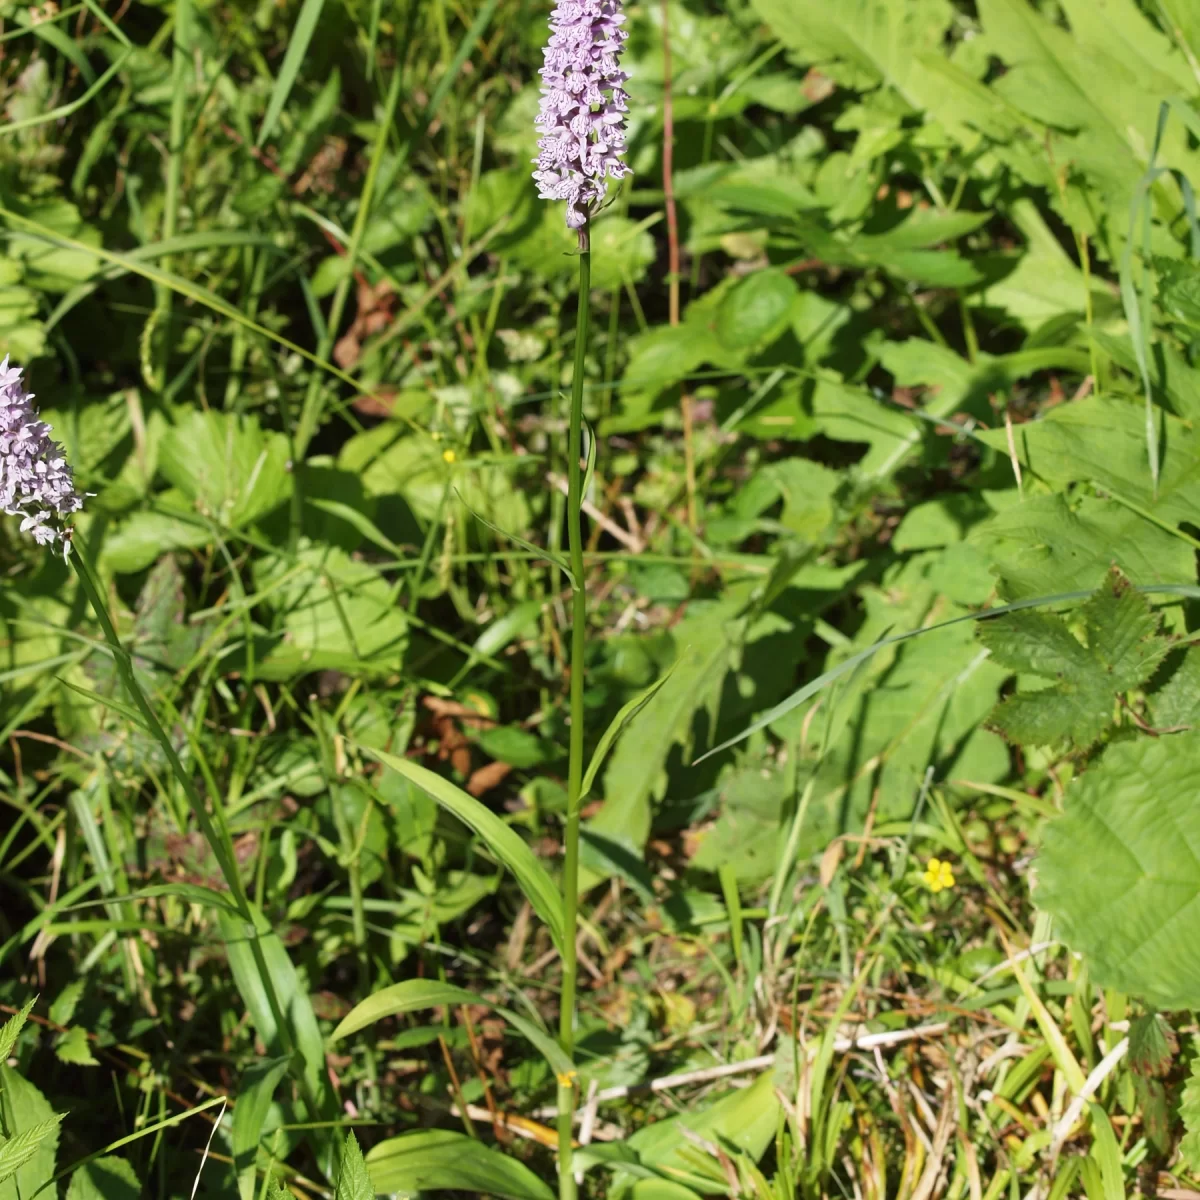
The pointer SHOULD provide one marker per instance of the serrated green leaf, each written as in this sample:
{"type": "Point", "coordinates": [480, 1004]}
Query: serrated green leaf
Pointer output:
{"type": "Point", "coordinates": [1123, 648]}
{"type": "Point", "coordinates": [863, 43]}
{"type": "Point", "coordinates": [1176, 705]}
{"type": "Point", "coordinates": [338, 613]}
{"type": "Point", "coordinates": [1102, 441]}
{"type": "Point", "coordinates": [354, 1180]}
{"type": "Point", "coordinates": [73, 1048]}
{"type": "Point", "coordinates": [1044, 545]}
{"type": "Point", "coordinates": [1120, 869]}
{"type": "Point", "coordinates": [23, 1147]}
{"type": "Point", "coordinates": [1189, 1114]}
{"type": "Point", "coordinates": [11, 1029]}
{"type": "Point", "coordinates": [442, 1160]}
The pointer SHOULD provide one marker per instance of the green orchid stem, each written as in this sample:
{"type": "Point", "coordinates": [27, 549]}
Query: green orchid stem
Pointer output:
{"type": "Point", "coordinates": [212, 826]}
{"type": "Point", "coordinates": [566, 1016]}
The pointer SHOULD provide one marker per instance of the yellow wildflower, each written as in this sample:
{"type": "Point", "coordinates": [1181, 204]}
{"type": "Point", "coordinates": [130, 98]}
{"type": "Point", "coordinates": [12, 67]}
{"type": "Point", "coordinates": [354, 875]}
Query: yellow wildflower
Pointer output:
{"type": "Point", "coordinates": [939, 875]}
{"type": "Point", "coordinates": [448, 456]}
{"type": "Point", "coordinates": [567, 1078]}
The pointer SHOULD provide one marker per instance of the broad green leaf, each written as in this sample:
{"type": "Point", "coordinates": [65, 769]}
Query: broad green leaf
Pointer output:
{"type": "Point", "coordinates": [744, 840]}
{"type": "Point", "coordinates": [354, 1180]}
{"type": "Point", "coordinates": [622, 252]}
{"type": "Point", "coordinates": [756, 311]}
{"type": "Point", "coordinates": [745, 1119]}
{"type": "Point", "coordinates": [253, 1103]}
{"type": "Point", "coordinates": [1120, 873]}
{"type": "Point", "coordinates": [636, 774]}
{"type": "Point", "coordinates": [442, 1160]}
{"type": "Point", "coordinates": [337, 612]}
{"type": "Point", "coordinates": [1176, 384]}
{"type": "Point", "coordinates": [533, 879]}
{"type": "Point", "coordinates": [1121, 650]}
{"type": "Point", "coordinates": [905, 708]}
{"type": "Point", "coordinates": [1176, 704]}
{"type": "Point", "coordinates": [73, 1048]}
{"type": "Point", "coordinates": [412, 995]}
{"type": "Point", "coordinates": [25, 1114]}
{"type": "Point", "coordinates": [849, 666]}
{"type": "Point", "coordinates": [1044, 544]}
{"type": "Point", "coordinates": [863, 43]}
{"type": "Point", "coordinates": [108, 1178]}
{"type": "Point", "coordinates": [1143, 47]}
{"type": "Point", "coordinates": [1103, 441]}
{"type": "Point", "coordinates": [228, 466]}
{"type": "Point", "coordinates": [135, 542]}
{"type": "Point", "coordinates": [392, 463]}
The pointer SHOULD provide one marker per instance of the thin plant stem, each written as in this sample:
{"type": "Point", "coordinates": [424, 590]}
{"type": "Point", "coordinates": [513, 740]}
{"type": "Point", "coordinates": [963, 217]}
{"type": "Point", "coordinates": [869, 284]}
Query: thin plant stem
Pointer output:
{"type": "Point", "coordinates": [673, 268]}
{"type": "Point", "coordinates": [566, 1015]}
{"type": "Point", "coordinates": [213, 827]}
{"type": "Point", "coordinates": [155, 363]}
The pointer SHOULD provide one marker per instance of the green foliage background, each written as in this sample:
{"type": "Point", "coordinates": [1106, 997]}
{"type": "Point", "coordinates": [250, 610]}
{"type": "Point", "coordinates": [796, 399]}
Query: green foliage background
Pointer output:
{"type": "Point", "coordinates": [280, 280]}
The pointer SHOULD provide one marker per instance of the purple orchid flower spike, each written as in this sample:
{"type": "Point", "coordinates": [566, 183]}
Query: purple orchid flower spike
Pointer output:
{"type": "Point", "coordinates": [584, 102]}
{"type": "Point", "coordinates": [36, 483]}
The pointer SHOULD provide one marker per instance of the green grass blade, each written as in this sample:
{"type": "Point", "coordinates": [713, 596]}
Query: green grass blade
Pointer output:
{"type": "Point", "coordinates": [539, 551]}
{"type": "Point", "coordinates": [184, 287]}
{"type": "Point", "coordinates": [66, 110]}
{"type": "Point", "coordinates": [812, 688]}
{"type": "Point", "coordinates": [616, 727]}
{"type": "Point", "coordinates": [301, 36]}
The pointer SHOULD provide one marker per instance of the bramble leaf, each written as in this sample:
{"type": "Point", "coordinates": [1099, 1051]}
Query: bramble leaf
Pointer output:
{"type": "Point", "coordinates": [1120, 869]}
{"type": "Point", "coordinates": [1121, 647]}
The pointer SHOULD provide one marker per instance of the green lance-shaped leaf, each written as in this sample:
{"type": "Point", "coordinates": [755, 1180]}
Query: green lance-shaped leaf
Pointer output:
{"type": "Point", "coordinates": [413, 995]}
{"type": "Point", "coordinates": [253, 1104]}
{"type": "Point", "coordinates": [442, 1160]}
{"type": "Point", "coordinates": [504, 843]}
